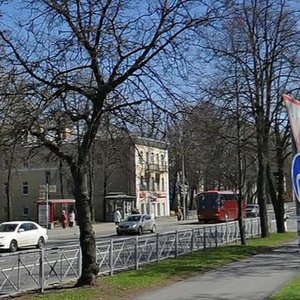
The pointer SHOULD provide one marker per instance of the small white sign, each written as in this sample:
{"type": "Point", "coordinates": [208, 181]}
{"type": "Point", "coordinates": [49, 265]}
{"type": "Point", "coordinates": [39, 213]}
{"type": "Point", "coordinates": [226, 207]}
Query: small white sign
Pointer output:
{"type": "Point", "coordinates": [52, 189]}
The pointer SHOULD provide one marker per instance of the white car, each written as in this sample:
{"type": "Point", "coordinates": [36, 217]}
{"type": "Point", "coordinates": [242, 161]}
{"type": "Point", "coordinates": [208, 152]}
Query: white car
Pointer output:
{"type": "Point", "coordinates": [18, 234]}
{"type": "Point", "coordinates": [252, 210]}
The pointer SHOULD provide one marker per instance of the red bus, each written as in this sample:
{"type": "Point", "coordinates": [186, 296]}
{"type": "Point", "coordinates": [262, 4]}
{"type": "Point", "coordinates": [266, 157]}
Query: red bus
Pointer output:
{"type": "Point", "coordinates": [217, 206]}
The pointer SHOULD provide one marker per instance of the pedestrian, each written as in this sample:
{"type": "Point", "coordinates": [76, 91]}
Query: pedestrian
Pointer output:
{"type": "Point", "coordinates": [72, 218]}
{"type": "Point", "coordinates": [117, 216]}
{"type": "Point", "coordinates": [64, 219]}
{"type": "Point", "coordinates": [179, 214]}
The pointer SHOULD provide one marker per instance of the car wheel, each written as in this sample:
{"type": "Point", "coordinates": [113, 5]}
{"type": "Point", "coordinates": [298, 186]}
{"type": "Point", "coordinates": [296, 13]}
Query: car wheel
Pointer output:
{"type": "Point", "coordinates": [13, 246]}
{"type": "Point", "coordinates": [118, 232]}
{"type": "Point", "coordinates": [41, 243]}
{"type": "Point", "coordinates": [140, 230]}
{"type": "Point", "coordinates": [153, 230]}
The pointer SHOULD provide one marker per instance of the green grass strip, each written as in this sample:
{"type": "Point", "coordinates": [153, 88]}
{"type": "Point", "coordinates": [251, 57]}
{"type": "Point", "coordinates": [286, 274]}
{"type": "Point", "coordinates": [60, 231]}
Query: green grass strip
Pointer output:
{"type": "Point", "coordinates": [290, 292]}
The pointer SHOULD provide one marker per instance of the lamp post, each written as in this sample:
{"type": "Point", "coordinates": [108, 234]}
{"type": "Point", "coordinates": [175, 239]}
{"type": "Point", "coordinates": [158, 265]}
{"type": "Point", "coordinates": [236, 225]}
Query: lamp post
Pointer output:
{"type": "Point", "coordinates": [47, 175]}
{"type": "Point", "coordinates": [183, 187]}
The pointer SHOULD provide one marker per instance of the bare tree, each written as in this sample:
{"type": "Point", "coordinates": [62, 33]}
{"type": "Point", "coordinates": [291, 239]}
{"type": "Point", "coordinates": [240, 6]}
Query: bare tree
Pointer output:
{"type": "Point", "coordinates": [83, 60]}
{"type": "Point", "coordinates": [262, 40]}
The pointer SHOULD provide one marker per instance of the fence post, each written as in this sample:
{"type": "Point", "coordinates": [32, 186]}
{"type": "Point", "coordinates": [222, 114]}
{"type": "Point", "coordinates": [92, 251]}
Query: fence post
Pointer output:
{"type": "Point", "coordinates": [176, 244]}
{"type": "Point", "coordinates": [157, 247]}
{"type": "Point", "coordinates": [111, 257]}
{"type": "Point", "coordinates": [19, 274]}
{"type": "Point", "coordinates": [61, 263]}
{"type": "Point", "coordinates": [192, 240]}
{"type": "Point", "coordinates": [204, 238]}
{"type": "Point", "coordinates": [79, 262]}
{"type": "Point", "coordinates": [41, 270]}
{"type": "Point", "coordinates": [136, 253]}
{"type": "Point", "coordinates": [216, 236]}
{"type": "Point", "coordinates": [227, 238]}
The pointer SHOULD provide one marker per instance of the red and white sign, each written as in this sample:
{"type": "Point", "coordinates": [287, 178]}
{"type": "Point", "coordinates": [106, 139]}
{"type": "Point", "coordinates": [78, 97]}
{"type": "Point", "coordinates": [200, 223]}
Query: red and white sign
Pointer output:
{"type": "Point", "coordinates": [293, 108]}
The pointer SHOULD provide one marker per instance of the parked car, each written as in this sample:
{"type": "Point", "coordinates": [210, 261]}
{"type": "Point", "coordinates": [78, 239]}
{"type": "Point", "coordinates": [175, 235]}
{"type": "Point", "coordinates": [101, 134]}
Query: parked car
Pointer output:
{"type": "Point", "coordinates": [18, 234]}
{"type": "Point", "coordinates": [252, 210]}
{"type": "Point", "coordinates": [137, 223]}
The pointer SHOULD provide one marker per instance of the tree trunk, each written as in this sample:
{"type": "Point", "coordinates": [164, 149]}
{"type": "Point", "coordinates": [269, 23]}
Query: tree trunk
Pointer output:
{"type": "Point", "coordinates": [240, 220]}
{"type": "Point", "coordinates": [277, 198]}
{"type": "Point", "coordinates": [90, 267]}
{"type": "Point", "coordinates": [261, 196]}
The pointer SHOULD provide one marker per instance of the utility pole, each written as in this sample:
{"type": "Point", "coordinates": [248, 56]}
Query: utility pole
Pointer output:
{"type": "Point", "coordinates": [47, 173]}
{"type": "Point", "coordinates": [183, 187]}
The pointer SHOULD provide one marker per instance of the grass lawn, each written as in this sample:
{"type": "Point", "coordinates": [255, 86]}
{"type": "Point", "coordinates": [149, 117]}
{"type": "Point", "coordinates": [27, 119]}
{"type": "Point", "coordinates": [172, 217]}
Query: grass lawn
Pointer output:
{"type": "Point", "coordinates": [290, 292]}
{"type": "Point", "coordinates": [125, 284]}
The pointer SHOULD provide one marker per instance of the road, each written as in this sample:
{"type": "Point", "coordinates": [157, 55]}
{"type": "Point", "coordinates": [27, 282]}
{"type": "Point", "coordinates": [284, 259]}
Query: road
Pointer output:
{"type": "Point", "coordinates": [104, 231]}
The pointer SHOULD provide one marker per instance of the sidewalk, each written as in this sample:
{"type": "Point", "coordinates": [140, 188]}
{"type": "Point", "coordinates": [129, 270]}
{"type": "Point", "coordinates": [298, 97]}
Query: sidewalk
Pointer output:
{"type": "Point", "coordinates": [254, 278]}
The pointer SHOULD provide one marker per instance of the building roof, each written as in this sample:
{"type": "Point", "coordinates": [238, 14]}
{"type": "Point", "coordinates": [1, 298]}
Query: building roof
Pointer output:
{"type": "Point", "coordinates": [57, 201]}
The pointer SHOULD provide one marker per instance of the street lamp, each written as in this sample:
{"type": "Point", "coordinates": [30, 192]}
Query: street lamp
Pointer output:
{"type": "Point", "coordinates": [47, 175]}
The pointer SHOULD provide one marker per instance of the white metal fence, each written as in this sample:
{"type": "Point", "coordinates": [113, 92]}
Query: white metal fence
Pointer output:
{"type": "Point", "coordinates": [39, 269]}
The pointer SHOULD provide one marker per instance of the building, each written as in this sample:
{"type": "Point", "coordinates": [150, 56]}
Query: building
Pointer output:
{"type": "Point", "coordinates": [131, 173]}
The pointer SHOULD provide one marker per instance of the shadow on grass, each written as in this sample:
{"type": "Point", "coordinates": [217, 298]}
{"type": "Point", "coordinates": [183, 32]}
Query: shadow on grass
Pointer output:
{"type": "Point", "coordinates": [189, 265]}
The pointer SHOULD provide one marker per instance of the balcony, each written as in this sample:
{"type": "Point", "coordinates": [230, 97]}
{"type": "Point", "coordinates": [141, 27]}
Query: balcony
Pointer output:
{"type": "Point", "coordinates": [156, 168]}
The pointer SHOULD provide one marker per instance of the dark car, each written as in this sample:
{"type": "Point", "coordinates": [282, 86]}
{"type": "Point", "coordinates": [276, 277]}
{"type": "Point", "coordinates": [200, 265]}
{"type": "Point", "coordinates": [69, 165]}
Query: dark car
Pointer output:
{"type": "Point", "coordinates": [137, 223]}
{"type": "Point", "coordinates": [252, 210]}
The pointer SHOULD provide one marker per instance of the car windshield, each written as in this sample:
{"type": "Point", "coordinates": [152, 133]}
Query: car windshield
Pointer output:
{"type": "Point", "coordinates": [8, 227]}
{"type": "Point", "coordinates": [133, 218]}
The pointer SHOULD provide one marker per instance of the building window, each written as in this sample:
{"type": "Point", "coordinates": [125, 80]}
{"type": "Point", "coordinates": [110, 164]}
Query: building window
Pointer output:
{"type": "Point", "coordinates": [147, 157]}
{"type": "Point", "coordinates": [143, 186]}
{"type": "Point", "coordinates": [25, 188]}
{"type": "Point", "coordinates": [6, 164]}
{"type": "Point", "coordinates": [152, 158]}
{"type": "Point", "coordinates": [157, 180]}
{"type": "Point", "coordinates": [25, 163]}
{"type": "Point", "coordinates": [157, 158]}
{"type": "Point", "coordinates": [152, 184]}
{"type": "Point", "coordinates": [141, 156]}
{"type": "Point", "coordinates": [25, 211]}
{"type": "Point", "coordinates": [162, 159]}
{"type": "Point", "coordinates": [162, 184]}
{"type": "Point", "coordinates": [5, 188]}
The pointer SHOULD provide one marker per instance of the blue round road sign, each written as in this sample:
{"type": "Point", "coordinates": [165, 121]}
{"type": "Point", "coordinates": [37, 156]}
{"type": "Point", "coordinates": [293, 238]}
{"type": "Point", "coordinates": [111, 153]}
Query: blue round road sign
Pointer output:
{"type": "Point", "coordinates": [296, 175]}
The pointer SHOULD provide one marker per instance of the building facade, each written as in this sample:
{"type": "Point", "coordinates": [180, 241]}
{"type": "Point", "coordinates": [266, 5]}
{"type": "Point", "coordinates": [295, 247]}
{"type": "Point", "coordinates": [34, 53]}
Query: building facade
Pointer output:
{"type": "Point", "coordinates": [131, 173]}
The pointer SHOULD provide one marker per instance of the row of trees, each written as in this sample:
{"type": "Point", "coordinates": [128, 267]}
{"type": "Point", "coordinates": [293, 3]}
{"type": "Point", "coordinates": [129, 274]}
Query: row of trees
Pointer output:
{"type": "Point", "coordinates": [218, 68]}
{"type": "Point", "coordinates": [242, 129]}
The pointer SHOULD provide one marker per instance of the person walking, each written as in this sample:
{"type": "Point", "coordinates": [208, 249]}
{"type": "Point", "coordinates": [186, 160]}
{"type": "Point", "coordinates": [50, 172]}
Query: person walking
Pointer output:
{"type": "Point", "coordinates": [72, 218]}
{"type": "Point", "coordinates": [64, 219]}
{"type": "Point", "coordinates": [117, 216]}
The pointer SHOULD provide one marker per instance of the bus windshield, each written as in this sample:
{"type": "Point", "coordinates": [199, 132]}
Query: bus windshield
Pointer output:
{"type": "Point", "coordinates": [208, 201]}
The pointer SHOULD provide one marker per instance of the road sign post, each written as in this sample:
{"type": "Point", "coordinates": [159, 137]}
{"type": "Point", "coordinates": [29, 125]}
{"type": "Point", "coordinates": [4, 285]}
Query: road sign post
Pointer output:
{"type": "Point", "coordinates": [293, 109]}
{"type": "Point", "coordinates": [296, 186]}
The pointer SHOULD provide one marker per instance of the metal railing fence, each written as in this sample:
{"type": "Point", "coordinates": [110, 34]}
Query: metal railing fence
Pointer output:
{"type": "Point", "coordinates": [39, 269]}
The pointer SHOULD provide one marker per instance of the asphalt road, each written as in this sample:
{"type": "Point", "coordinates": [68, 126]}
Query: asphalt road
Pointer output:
{"type": "Point", "coordinates": [60, 237]}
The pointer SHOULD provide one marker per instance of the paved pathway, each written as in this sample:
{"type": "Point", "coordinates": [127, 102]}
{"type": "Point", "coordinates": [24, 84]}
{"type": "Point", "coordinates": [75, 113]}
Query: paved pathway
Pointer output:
{"type": "Point", "coordinates": [254, 278]}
